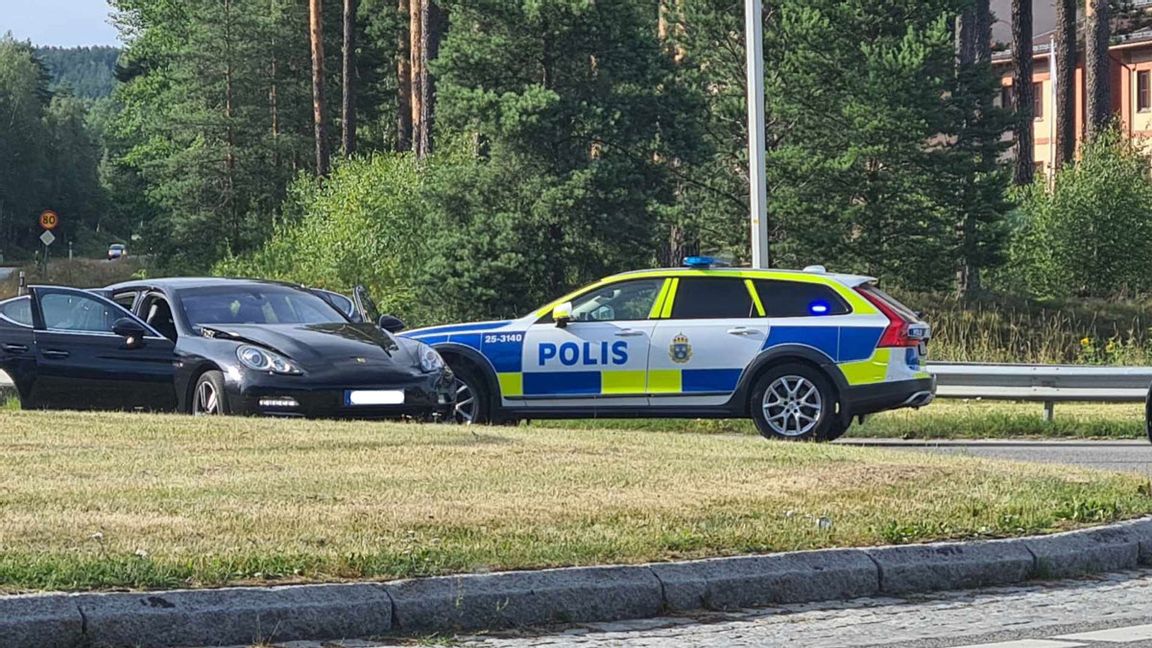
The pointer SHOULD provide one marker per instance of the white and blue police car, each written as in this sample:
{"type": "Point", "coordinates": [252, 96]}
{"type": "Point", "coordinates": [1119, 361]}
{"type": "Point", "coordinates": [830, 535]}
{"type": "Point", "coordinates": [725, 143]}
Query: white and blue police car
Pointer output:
{"type": "Point", "coordinates": [800, 352]}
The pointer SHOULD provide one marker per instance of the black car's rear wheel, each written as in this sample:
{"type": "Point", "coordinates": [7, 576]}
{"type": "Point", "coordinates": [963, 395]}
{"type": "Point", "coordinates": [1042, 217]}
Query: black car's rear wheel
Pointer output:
{"type": "Point", "coordinates": [208, 395]}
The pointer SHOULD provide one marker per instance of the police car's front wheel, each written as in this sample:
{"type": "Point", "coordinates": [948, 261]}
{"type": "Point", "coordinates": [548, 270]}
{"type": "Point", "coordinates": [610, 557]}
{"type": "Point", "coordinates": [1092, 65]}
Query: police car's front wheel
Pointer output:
{"type": "Point", "coordinates": [794, 402]}
{"type": "Point", "coordinates": [472, 401]}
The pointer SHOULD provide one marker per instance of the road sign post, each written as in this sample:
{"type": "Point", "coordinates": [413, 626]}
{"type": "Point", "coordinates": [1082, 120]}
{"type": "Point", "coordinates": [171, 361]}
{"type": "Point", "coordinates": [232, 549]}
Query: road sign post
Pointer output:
{"type": "Point", "coordinates": [757, 184]}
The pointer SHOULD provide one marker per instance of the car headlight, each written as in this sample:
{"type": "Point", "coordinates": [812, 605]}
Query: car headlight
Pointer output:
{"type": "Point", "coordinates": [259, 359]}
{"type": "Point", "coordinates": [430, 360]}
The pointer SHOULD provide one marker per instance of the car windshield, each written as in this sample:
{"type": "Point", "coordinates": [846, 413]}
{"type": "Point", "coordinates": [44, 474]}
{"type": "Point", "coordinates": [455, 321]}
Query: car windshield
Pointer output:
{"type": "Point", "coordinates": [256, 304]}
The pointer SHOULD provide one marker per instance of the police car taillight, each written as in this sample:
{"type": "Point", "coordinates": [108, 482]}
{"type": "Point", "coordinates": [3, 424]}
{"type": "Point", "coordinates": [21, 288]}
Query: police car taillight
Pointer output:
{"type": "Point", "coordinates": [898, 333]}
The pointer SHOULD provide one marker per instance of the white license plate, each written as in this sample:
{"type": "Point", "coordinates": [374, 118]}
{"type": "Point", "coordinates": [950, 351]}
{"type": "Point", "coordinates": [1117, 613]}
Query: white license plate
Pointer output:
{"type": "Point", "coordinates": [362, 397]}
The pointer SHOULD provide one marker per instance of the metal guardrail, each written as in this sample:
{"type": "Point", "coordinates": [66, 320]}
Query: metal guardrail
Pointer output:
{"type": "Point", "coordinates": [1046, 384]}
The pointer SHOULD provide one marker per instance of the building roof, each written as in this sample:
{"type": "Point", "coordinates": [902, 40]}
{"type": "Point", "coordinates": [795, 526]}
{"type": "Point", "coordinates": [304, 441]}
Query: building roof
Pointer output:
{"type": "Point", "coordinates": [1044, 26]}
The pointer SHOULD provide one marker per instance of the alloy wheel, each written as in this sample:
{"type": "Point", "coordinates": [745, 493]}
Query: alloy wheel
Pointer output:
{"type": "Point", "coordinates": [207, 401]}
{"type": "Point", "coordinates": [792, 406]}
{"type": "Point", "coordinates": [465, 403]}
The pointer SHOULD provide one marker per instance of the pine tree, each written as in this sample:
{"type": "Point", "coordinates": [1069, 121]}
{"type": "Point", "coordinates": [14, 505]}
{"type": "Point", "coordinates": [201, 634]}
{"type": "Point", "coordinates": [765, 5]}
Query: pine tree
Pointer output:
{"type": "Point", "coordinates": [1065, 79]}
{"type": "Point", "coordinates": [1097, 68]}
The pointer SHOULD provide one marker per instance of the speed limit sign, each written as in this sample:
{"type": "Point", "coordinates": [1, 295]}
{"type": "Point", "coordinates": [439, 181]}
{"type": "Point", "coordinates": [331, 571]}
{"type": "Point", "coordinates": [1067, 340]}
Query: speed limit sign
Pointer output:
{"type": "Point", "coordinates": [49, 220]}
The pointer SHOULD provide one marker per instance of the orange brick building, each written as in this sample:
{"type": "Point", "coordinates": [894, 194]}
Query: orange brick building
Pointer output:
{"type": "Point", "coordinates": [1131, 79]}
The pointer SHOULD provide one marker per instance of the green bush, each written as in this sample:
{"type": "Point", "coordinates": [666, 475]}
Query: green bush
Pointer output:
{"type": "Point", "coordinates": [364, 225]}
{"type": "Point", "coordinates": [1091, 233]}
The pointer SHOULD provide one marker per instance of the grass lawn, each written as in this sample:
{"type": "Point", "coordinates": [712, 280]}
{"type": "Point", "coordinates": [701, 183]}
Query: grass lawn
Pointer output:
{"type": "Point", "coordinates": [105, 501]}
{"type": "Point", "coordinates": [943, 419]}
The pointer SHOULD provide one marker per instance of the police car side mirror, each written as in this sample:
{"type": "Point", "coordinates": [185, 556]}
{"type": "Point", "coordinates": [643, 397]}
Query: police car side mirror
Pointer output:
{"type": "Point", "coordinates": [562, 314]}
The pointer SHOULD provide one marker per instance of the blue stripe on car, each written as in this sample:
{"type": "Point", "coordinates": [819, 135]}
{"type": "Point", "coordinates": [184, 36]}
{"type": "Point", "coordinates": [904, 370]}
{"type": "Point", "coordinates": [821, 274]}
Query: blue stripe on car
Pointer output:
{"type": "Point", "coordinates": [858, 342]}
{"type": "Point", "coordinates": [709, 380]}
{"type": "Point", "coordinates": [562, 383]}
{"type": "Point", "coordinates": [824, 338]}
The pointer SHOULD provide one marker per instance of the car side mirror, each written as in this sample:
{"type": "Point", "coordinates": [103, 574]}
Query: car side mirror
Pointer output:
{"type": "Point", "coordinates": [562, 314]}
{"type": "Point", "coordinates": [391, 323]}
{"type": "Point", "coordinates": [132, 331]}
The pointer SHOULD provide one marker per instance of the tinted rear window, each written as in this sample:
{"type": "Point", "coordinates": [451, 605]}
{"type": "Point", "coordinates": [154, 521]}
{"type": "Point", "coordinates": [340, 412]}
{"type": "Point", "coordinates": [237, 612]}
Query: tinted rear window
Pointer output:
{"type": "Point", "coordinates": [17, 310]}
{"type": "Point", "coordinates": [700, 298]}
{"type": "Point", "coordinates": [798, 299]}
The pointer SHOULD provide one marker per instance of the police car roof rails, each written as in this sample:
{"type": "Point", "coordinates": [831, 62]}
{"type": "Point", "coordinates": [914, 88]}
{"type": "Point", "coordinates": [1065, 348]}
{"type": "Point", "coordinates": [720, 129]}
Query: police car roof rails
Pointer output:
{"type": "Point", "coordinates": [701, 262]}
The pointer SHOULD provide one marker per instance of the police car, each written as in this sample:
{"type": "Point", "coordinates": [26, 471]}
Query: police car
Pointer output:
{"type": "Point", "coordinates": [800, 352]}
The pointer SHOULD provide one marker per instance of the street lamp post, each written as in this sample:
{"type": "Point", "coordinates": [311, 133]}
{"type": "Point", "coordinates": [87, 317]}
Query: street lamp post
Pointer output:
{"type": "Point", "coordinates": [758, 194]}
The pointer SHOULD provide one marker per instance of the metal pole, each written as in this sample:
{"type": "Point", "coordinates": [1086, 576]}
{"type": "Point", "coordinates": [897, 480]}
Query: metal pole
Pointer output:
{"type": "Point", "coordinates": [1055, 110]}
{"type": "Point", "coordinates": [758, 195]}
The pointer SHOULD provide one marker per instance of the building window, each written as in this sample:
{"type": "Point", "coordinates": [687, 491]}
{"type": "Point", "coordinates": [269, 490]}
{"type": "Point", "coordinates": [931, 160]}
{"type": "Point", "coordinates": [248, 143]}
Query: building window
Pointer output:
{"type": "Point", "coordinates": [1038, 100]}
{"type": "Point", "coordinates": [1006, 99]}
{"type": "Point", "coordinates": [1143, 91]}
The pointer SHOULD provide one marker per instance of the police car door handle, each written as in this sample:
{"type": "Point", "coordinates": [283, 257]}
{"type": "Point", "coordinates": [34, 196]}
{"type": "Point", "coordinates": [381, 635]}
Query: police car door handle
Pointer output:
{"type": "Point", "coordinates": [55, 354]}
{"type": "Point", "coordinates": [16, 348]}
{"type": "Point", "coordinates": [740, 330]}
{"type": "Point", "coordinates": [628, 333]}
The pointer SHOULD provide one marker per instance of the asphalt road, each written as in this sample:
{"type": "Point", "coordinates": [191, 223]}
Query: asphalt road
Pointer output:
{"type": "Point", "coordinates": [1128, 456]}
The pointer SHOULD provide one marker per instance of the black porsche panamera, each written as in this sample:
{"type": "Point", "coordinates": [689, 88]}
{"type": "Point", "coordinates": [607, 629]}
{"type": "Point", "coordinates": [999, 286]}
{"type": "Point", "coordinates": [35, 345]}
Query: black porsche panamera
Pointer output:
{"type": "Point", "coordinates": [214, 346]}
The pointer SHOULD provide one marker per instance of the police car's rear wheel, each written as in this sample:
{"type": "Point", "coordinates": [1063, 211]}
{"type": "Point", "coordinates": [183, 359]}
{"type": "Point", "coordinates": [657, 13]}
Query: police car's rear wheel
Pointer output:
{"type": "Point", "coordinates": [471, 397]}
{"type": "Point", "coordinates": [793, 402]}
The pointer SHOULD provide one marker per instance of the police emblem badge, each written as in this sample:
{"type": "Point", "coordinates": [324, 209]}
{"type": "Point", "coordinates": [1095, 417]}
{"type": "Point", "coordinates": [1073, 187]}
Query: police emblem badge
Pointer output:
{"type": "Point", "coordinates": [680, 350]}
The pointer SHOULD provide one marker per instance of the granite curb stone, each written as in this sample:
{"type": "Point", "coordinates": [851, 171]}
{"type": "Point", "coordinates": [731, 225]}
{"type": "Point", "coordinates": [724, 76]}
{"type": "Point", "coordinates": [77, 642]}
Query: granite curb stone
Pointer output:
{"type": "Point", "coordinates": [48, 620]}
{"type": "Point", "coordinates": [513, 599]}
{"type": "Point", "coordinates": [753, 581]}
{"type": "Point", "coordinates": [956, 565]}
{"type": "Point", "coordinates": [242, 615]}
{"type": "Point", "coordinates": [581, 594]}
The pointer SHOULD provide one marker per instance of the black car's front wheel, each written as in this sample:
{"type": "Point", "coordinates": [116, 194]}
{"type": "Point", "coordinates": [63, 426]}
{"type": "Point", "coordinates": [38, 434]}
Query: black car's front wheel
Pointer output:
{"type": "Point", "coordinates": [208, 395]}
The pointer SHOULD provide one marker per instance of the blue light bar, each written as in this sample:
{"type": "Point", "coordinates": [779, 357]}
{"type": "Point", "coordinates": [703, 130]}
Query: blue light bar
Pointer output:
{"type": "Point", "coordinates": [699, 262]}
{"type": "Point", "coordinates": [819, 308]}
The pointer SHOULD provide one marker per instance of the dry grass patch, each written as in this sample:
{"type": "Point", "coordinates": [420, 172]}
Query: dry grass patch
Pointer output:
{"type": "Point", "coordinates": [101, 501]}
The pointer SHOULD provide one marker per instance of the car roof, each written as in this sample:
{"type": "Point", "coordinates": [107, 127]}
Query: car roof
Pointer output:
{"type": "Point", "coordinates": [177, 283]}
{"type": "Point", "coordinates": [850, 280]}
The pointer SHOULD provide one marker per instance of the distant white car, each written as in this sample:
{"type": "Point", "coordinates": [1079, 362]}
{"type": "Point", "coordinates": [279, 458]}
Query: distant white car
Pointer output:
{"type": "Point", "coordinates": [117, 251]}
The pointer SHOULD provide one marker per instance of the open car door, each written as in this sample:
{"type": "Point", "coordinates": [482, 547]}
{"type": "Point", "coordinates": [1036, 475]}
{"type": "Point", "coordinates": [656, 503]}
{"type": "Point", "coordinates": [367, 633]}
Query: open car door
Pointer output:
{"type": "Point", "coordinates": [91, 353]}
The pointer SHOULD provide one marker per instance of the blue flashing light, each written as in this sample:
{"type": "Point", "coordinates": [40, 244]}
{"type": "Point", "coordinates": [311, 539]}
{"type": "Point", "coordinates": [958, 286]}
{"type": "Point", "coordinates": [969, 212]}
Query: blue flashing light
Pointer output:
{"type": "Point", "coordinates": [819, 308]}
{"type": "Point", "coordinates": [699, 262]}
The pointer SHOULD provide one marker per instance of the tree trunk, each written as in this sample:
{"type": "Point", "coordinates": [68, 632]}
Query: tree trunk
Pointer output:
{"type": "Point", "coordinates": [403, 85]}
{"type": "Point", "coordinates": [983, 22]}
{"type": "Point", "coordinates": [348, 108]}
{"type": "Point", "coordinates": [319, 118]}
{"type": "Point", "coordinates": [415, 60]}
{"type": "Point", "coordinates": [1023, 172]}
{"type": "Point", "coordinates": [1097, 89]}
{"type": "Point", "coordinates": [965, 33]}
{"type": "Point", "coordinates": [1065, 77]}
{"type": "Point", "coordinates": [432, 24]}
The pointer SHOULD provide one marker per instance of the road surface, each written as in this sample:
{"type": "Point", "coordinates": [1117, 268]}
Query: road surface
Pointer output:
{"type": "Point", "coordinates": [1129, 456]}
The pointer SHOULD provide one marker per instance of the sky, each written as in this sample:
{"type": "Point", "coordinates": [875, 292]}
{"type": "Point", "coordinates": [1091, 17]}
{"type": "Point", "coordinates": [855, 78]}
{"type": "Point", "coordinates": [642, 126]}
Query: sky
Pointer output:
{"type": "Point", "coordinates": [65, 23]}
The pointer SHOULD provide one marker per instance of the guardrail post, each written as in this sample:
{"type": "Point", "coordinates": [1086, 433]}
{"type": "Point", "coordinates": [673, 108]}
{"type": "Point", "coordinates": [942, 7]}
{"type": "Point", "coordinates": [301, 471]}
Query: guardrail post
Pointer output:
{"type": "Point", "coordinates": [23, 287]}
{"type": "Point", "coordinates": [1049, 411]}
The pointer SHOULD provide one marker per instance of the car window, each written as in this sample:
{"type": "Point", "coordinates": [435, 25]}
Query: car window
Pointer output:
{"type": "Point", "coordinates": [125, 299]}
{"type": "Point", "coordinates": [78, 312]}
{"type": "Point", "coordinates": [798, 299]}
{"type": "Point", "coordinates": [18, 311]}
{"type": "Point", "coordinates": [256, 304]}
{"type": "Point", "coordinates": [707, 298]}
{"type": "Point", "coordinates": [622, 301]}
